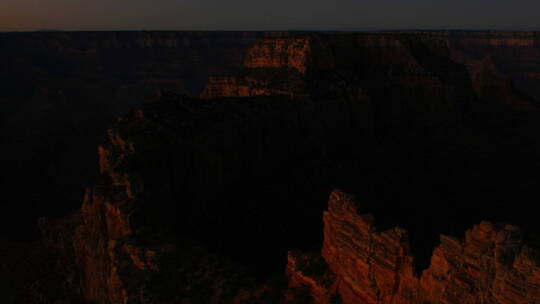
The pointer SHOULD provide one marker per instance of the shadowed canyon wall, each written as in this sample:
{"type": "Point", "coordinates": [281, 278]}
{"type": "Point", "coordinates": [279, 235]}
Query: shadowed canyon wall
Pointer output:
{"type": "Point", "coordinates": [226, 185]}
{"type": "Point", "coordinates": [60, 91]}
{"type": "Point", "coordinates": [199, 200]}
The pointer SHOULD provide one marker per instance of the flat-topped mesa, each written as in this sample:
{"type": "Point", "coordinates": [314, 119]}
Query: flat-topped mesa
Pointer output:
{"type": "Point", "coordinates": [277, 66]}
{"type": "Point", "coordinates": [492, 265]}
{"type": "Point", "coordinates": [346, 66]}
{"type": "Point", "coordinates": [502, 65]}
{"type": "Point", "coordinates": [280, 53]}
{"type": "Point", "coordinates": [268, 67]}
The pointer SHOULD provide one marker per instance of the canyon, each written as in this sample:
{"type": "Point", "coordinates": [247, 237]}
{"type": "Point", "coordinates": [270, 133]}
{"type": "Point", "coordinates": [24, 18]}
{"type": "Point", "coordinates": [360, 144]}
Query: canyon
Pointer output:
{"type": "Point", "coordinates": [61, 90]}
{"type": "Point", "coordinates": [385, 167]}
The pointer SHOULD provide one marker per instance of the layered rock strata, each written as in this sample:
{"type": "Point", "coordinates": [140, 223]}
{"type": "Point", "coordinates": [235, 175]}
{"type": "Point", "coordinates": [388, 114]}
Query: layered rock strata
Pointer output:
{"type": "Point", "coordinates": [365, 265]}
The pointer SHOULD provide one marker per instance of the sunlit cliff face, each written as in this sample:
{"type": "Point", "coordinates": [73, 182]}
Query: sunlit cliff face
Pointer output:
{"type": "Point", "coordinates": [366, 265]}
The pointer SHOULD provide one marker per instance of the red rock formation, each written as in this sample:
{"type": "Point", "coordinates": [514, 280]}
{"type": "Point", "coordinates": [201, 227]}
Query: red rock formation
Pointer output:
{"type": "Point", "coordinates": [492, 265]}
{"type": "Point", "coordinates": [309, 273]}
{"type": "Point", "coordinates": [274, 67]}
{"type": "Point", "coordinates": [118, 259]}
{"type": "Point", "coordinates": [280, 53]}
{"type": "Point", "coordinates": [414, 86]}
{"type": "Point", "coordinates": [372, 266]}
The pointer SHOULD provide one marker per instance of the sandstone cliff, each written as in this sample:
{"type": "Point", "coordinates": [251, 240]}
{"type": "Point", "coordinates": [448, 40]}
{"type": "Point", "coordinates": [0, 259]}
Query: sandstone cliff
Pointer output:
{"type": "Point", "coordinates": [269, 67]}
{"type": "Point", "coordinates": [502, 65]}
{"type": "Point", "coordinates": [365, 265]}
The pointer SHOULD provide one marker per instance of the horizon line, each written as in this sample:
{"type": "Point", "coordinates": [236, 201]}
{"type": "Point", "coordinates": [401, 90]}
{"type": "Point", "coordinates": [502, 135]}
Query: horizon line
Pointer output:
{"type": "Point", "coordinates": [45, 30]}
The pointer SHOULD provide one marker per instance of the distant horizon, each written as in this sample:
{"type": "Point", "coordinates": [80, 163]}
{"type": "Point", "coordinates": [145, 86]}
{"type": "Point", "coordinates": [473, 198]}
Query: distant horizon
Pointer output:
{"type": "Point", "coordinates": [276, 15]}
{"type": "Point", "coordinates": [52, 30]}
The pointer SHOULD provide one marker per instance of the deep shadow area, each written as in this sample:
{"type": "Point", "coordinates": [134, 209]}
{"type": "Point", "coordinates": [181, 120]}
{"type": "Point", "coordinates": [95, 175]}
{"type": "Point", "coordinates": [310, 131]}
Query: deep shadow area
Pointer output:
{"type": "Point", "coordinates": [252, 185]}
{"type": "Point", "coordinates": [61, 91]}
{"type": "Point", "coordinates": [426, 133]}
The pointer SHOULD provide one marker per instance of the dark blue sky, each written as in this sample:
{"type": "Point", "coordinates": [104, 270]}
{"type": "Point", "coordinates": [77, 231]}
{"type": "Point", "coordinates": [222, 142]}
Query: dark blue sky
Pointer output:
{"type": "Point", "coordinates": [260, 15]}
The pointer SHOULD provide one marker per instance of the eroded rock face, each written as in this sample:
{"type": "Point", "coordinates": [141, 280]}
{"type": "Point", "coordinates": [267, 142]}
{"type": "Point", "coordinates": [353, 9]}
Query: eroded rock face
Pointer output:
{"type": "Point", "coordinates": [282, 53]}
{"type": "Point", "coordinates": [271, 67]}
{"type": "Point", "coordinates": [373, 267]}
{"type": "Point", "coordinates": [118, 258]}
{"type": "Point", "coordinates": [491, 265]}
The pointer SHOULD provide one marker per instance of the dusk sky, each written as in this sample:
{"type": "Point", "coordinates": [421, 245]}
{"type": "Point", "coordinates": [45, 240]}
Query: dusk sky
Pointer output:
{"type": "Point", "coordinates": [17, 15]}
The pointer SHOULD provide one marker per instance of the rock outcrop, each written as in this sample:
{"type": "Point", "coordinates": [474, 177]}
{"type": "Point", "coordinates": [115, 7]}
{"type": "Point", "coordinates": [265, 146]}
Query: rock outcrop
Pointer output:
{"type": "Point", "coordinates": [502, 65]}
{"type": "Point", "coordinates": [128, 221]}
{"type": "Point", "coordinates": [364, 265]}
{"type": "Point", "coordinates": [271, 67]}
{"type": "Point", "coordinates": [281, 53]}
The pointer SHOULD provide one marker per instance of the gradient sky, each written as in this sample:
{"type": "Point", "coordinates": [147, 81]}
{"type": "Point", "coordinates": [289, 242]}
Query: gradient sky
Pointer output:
{"type": "Point", "coordinates": [266, 15]}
